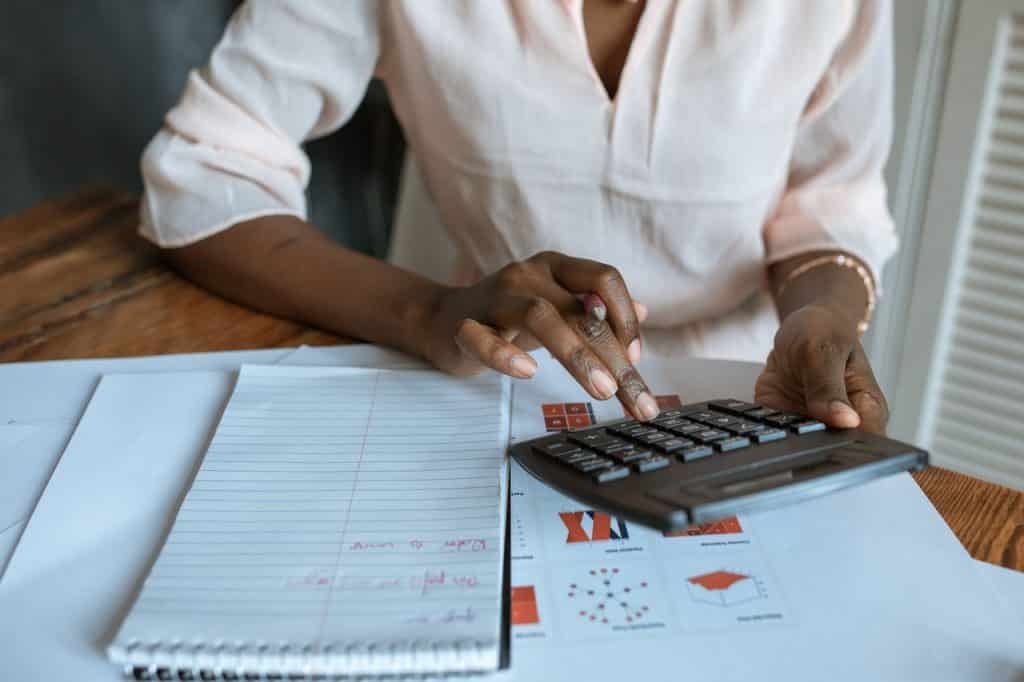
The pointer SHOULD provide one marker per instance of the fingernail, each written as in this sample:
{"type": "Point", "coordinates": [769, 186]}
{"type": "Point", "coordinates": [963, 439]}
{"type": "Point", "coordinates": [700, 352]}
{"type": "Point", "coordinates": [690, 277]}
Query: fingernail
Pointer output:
{"type": "Point", "coordinates": [634, 351]}
{"type": "Point", "coordinates": [641, 310]}
{"type": "Point", "coordinates": [523, 366]}
{"type": "Point", "coordinates": [843, 414]}
{"type": "Point", "coordinates": [602, 383]}
{"type": "Point", "coordinates": [647, 406]}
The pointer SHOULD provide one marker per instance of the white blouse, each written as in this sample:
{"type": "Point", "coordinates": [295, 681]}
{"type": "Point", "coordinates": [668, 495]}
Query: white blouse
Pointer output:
{"type": "Point", "coordinates": [742, 133]}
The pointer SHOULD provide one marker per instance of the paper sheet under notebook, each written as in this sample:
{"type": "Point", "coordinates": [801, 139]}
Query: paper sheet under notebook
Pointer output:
{"type": "Point", "coordinates": [351, 520]}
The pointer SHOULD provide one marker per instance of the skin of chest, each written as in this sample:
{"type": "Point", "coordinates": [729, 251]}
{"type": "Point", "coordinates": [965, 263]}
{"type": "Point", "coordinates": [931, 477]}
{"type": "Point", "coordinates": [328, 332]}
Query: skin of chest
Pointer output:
{"type": "Point", "coordinates": [610, 28]}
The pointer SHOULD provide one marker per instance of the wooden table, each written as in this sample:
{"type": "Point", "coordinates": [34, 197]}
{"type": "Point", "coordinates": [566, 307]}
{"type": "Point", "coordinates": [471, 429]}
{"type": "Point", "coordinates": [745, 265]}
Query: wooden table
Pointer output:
{"type": "Point", "coordinates": [76, 282]}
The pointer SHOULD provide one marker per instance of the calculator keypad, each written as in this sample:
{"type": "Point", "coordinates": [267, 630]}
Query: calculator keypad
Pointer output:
{"type": "Point", "coordinates": [724, 426]}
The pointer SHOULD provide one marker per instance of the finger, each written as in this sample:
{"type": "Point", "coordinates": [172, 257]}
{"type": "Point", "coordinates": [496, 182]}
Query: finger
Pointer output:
{"type": "Point", "coordinates": [545, 323]}
{"type": "Point", "coordinates": [865, 394]}
{"type": "Point", "coordinates": [580, 275]}
{"type": "Point", "coordinates": [633, 392]}
{"type": "Point", "coordinates": [489, 348]}
{"type": "Point", "coordinates": [594, 307]}
{"type": "Point", "coordinates": [526, 341]}
{"type": "Point", "coordinates": [772, 391]}
{"type": "Point", "coordinates": [641, 311]}
{"type": "Point", "coordinates": [824, 379]}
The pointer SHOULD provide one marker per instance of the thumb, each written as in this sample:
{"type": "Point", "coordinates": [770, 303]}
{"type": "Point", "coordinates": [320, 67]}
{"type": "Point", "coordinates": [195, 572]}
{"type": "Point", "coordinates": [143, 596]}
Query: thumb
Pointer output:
{"type": "Point", "coordinates": [824, 379]}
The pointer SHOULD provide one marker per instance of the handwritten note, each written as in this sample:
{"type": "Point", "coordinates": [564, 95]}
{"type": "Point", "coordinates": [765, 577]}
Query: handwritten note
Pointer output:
{"type": "Point", "coordinates": [339, 506]}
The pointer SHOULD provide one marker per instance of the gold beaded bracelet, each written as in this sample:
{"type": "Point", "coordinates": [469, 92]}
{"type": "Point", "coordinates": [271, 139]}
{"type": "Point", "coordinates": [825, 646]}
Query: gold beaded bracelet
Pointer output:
{"type": "Point", "coordinates": [843, 261]}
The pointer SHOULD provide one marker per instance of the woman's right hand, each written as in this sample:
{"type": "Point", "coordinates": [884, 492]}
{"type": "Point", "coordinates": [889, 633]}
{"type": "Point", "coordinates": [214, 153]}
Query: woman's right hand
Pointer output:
{"type": "Point", "coordinates": [535, 303]}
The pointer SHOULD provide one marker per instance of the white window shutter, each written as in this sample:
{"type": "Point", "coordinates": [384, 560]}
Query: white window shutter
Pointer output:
{"type": "Point", "coordinates": [976, 423]}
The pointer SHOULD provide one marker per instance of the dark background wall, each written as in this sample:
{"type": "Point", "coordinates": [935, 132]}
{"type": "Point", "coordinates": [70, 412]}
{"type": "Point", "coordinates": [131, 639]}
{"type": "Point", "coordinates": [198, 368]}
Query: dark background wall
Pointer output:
{"type": "Point", "coordinates": [84, 85]}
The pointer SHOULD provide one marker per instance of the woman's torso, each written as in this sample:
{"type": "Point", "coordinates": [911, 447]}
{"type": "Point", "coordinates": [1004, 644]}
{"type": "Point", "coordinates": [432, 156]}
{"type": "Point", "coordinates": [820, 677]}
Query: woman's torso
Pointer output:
{"type": "Point", "coordinates": [522, 149]}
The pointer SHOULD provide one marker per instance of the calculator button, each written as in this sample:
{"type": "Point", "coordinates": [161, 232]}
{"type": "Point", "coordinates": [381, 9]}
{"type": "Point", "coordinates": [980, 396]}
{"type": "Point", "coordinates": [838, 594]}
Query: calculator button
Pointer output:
{"type": "Point", "coordinates": [590, 438]}
{"type": "Point", "coordinates": [744, 428]}
{"type": "Point", "coordinates": [721, 421]}
{"type": "Point", "coordinates": [612, 446]}
{"type": "Point", "coordinates": [673, 444]}
{"type": "Point", "coordinates": [577, 457]}
{"type": "Point", "coordinates": [808, 426]}
{"type": "Point", "coordinates": [625, 428]}
{"type": "Point", "coordinates": [703, 415]}
{"type": "Point", "coordinates": [783, 419]}
{"type": "Point", "coordinates": [738, 407]}
{"type": "Point", "coordinates": [652, 438]}
{"type": "Point", "coordinates": [696, 452]}
{"type": "Point", "coordinates": [760, 413]}
{"type": "Point", "coordinates": [686, 429]}
{"type": "Point", "coordinates": [768, 435]}
{"type": "Point", "coordinates": [734, 443]}
{"type": "Point", "coordinates": [608, 475]}
{"type": "Point", "coordinates": [632, 455]}
{"type": "Point", "coordinates": [709, 435]}
{"type": "Point", "coordinates": [593, 465]}
{"type": "Point", "coordinates": [668, 414]}
{"type": "Point", "coordinates": [651, 464]}
{"type": "Point", "coordinates": [669, 423]}
{"type": "Point", "coordinates": [558, 449]}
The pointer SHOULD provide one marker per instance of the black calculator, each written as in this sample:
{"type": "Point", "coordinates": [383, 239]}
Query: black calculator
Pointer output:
{"type": "Point", "coordinates": [709, 460]}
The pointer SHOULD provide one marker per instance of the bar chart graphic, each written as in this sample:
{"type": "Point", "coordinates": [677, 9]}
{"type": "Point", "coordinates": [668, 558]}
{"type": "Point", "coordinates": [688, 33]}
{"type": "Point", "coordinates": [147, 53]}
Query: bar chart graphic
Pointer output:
{"type": "Point", "coordinates": [727, 526]}
{"type": "Point", "coordinates": [524, 606]}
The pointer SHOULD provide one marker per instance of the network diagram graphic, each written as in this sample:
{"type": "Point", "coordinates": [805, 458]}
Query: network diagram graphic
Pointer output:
{"type": "Point", "coordinates": [605, 596]}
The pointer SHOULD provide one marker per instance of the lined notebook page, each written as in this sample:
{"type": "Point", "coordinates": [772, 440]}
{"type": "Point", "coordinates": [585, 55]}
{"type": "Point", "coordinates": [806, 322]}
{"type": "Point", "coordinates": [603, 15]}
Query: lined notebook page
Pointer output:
{"type": "Point", "coordinates": [338, 507]}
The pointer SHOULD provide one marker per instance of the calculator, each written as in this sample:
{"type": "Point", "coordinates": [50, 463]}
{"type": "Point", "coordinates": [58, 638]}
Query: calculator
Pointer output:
{"type": "Point", "coordinates": [709, 460]}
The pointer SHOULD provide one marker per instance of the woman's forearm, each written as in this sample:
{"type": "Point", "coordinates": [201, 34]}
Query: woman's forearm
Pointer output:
{"type": "Point", "coordinates": [285, 266]}
{"type": "Point", "coordinates": [840, 288]}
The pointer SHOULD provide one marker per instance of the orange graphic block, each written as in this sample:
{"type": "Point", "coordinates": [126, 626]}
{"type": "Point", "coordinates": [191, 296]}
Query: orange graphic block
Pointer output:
{"type": "Point", "coordinates": [719, 580]}
{"type": "Point", "coordinates": [554, 423]}
{"type": "Point", "coordinates": [553, 409]}
{"type": "Point", "coordinates": [726, 526]}
{"type": "Point", "coordinates": [524, 606]}
{"type": "Point", "coordinates": [560, 416]}
{"type": "Point", "coordinates": [578, 420]}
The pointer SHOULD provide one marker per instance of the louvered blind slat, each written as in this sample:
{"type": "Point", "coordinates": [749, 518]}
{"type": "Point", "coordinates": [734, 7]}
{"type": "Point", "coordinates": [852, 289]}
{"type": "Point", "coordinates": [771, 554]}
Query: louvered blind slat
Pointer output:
{"type": "Point", "coordinates": [1014, 80]}
{"type": "Point", "coordinates": [1011, 350]}
{"type": "Point", "coordinates": [977, 426]}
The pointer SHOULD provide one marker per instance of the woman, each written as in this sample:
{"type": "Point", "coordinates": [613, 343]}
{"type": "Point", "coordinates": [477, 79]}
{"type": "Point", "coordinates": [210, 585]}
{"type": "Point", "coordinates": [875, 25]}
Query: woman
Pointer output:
{"type": "Point", "coordinates": [719, 161]}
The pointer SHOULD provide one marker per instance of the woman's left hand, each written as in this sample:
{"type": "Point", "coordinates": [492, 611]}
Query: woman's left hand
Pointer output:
{"type": "Point", "coordinates": [819, 368]}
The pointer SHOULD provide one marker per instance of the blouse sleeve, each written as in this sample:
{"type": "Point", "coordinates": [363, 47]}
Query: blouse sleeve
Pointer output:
{"type": "Point", "coordinates": [284, 72]}
{"type": "Point", "coordinates": [835, 195]}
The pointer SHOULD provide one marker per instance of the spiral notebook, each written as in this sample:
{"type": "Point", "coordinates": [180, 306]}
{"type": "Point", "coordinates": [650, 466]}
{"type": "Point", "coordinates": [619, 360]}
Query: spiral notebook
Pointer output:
{"type": "Point", "coordinates": [342, 522]}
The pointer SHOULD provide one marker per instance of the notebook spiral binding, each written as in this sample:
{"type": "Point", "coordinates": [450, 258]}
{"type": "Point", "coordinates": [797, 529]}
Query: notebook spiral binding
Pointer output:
{"type": "Point", "coordinates": [411, 660]}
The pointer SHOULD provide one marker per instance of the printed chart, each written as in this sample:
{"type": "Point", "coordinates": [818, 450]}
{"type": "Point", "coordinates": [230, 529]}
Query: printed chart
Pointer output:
{"type": "Point", "coordinates": [524, 606]}
{"type": "Point", "coordinates": [606, 597]}
{"type": "Point", "coordinates": [727, 526]}
{"type": "Point", "coordinates": [724, 535]}
{"type": "Point", "coordinates": [592, 526]}
{"type": "Point", "coordinates": [723, 588]}
{"type": "Point", "coordinates": [726, 591]}
{"type": "Point", "coordinates": [560, 416]}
